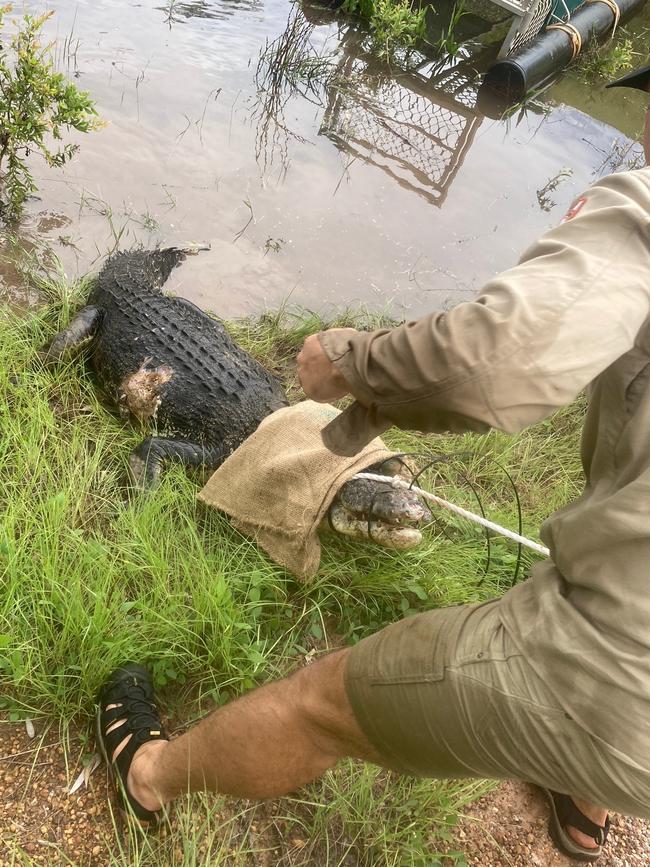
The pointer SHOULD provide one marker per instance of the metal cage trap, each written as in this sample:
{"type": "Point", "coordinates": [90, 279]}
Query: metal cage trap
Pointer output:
{"type": "Point", "coordinates": [528, 19]}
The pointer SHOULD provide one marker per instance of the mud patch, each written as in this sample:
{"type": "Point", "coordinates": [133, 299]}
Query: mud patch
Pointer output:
{"type": "Point", "coordinates": [140, 391]}
{"type": "Point", "coordinates": [49, 221]}
{"type": "Point", "coordinates": [41, 824]}
{"type": "Point", "coordinates": [507, 828]}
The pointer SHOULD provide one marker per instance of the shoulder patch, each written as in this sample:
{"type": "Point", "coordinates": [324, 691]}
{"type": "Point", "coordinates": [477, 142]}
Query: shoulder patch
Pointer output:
{"type": "Point", "coordinates": [574, 210]}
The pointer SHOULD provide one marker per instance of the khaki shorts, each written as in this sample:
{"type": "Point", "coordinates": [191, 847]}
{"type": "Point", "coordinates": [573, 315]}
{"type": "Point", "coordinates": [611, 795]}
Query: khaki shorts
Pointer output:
{"type": "Point", "coordinates": [446, 694]}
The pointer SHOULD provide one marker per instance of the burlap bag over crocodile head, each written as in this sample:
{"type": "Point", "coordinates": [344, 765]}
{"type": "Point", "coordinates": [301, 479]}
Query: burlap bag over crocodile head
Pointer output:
{"type": "Point", "coordinates": [278, 485]}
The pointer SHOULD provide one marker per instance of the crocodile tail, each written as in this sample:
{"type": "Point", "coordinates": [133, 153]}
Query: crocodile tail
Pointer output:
{"type": "Point", "coordinates": [191, 249]}
{"type": "Point", "coordinates": [139, 270]}
{"type": "Point", "coordinates": [161, 262]}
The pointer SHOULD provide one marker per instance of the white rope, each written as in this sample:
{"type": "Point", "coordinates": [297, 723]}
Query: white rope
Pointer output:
{"type": "Point", "coordinates": [458, 510]}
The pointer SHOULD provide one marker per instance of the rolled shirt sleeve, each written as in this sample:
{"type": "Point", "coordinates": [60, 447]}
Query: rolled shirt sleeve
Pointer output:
{"type": "Point", "coordinates": [535, 336]}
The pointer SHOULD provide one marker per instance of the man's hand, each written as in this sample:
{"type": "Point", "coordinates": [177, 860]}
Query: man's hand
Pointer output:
{"type": "Point", "coordinates": [319, 379]}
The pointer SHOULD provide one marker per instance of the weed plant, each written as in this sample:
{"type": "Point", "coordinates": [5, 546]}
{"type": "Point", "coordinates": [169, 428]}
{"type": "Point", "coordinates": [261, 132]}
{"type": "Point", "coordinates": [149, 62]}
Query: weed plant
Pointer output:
{"type": "Point", "coordinates": [92, 574]}
{"type": "Point", "coordinates": [37, 105]}
{"type": "Point", "coordinates": [395, 25]}
{"type": "Point", "coordinates": [602, 63]}
{"type": "Point", "coordinates": [448, 44]}
{"type": "Point", "coordinates": [288, 65]}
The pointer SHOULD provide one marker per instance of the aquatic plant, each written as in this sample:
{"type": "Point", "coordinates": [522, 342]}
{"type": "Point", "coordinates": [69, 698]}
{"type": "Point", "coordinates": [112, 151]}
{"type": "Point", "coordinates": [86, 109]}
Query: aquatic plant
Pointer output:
{"type": "Point", "coordinates": [394, 24]}
{"type": "Point", "coordinates": [601, 63]}
{"type": "Point", "coordinates": [544, 199]}
{"type": "Point", "coordinates": [448, 43]}
{"type": "Point", "coordinates": [287, 65]}
{"type": "Point", "coordinates": [37, 104]}
{"type": "Point", "coordinates": [291, 64]}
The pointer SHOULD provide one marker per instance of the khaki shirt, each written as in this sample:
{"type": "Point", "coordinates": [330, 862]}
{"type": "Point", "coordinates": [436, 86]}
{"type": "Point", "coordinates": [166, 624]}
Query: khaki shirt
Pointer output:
{"type": "Point", "coordinates": [574, 312]}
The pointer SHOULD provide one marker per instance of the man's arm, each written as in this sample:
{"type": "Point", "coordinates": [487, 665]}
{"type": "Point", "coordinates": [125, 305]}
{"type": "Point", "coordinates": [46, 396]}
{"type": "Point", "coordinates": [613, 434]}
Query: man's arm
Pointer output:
{"type": "Point", "coordinates": [532, 340]}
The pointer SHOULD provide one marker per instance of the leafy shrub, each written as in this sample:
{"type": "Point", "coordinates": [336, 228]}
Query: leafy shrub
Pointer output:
{"type": "Point", "coordinates": [36, 105]}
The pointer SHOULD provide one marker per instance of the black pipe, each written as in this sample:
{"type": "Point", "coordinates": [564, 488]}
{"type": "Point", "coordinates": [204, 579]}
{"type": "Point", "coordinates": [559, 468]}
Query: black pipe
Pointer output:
{"type": "Point", "coordinates": [509, 80]}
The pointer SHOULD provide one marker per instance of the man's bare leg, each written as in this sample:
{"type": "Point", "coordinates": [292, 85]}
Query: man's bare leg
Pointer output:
{"type": "Point", "coordinates": [269, 742]}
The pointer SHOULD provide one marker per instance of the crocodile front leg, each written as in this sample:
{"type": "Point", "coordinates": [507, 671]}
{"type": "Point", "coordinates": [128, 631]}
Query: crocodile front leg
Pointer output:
{"type": "Point", "coordinates": [148, 459]}
{"type": "Point", "coordinates": [81, 329]}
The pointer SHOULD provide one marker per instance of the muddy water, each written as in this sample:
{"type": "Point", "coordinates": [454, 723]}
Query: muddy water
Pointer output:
{"type": "Point", "coordinates": [330, 186]}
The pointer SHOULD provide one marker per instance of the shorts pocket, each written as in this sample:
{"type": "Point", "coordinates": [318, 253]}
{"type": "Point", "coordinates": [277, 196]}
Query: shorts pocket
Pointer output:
{"type": "Point", "coordinates": [415, 650]}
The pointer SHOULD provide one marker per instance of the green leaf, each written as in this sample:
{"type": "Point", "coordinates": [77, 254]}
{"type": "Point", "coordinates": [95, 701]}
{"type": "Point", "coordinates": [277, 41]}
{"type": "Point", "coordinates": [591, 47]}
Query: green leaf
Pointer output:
{"type": "Point", "coordinates": [35, 102]}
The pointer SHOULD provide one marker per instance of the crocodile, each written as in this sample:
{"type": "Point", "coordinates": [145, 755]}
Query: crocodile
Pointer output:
{"type": "Point", "coordinates": [164, 362]}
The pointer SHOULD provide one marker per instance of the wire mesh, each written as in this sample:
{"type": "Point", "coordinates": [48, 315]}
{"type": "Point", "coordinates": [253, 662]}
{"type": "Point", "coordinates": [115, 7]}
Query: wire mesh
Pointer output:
{"type": "Point", "coordinates": [417, 132]}
{"type": "Point", "coordinates": [531, 25]}
{"type": "Point", "coordinates": [433, 473]}
{"type": "Point", "coordinates": [528, 19]}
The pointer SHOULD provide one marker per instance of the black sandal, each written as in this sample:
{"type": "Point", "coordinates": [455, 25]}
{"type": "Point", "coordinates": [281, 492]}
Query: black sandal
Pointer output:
{"type": "Point", "coordinates": [563, 813]}
{"type": "Point", "coordinates": [131, 689]}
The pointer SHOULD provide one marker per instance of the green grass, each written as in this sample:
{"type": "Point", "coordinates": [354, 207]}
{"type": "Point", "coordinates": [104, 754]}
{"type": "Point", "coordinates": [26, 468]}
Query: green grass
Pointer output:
{"type": "Point", "coordinates": [602, 63]}
{"type": "Point", "coordinates": [91, 575]}
{"type": "Point", "coordinates": [395, 25]}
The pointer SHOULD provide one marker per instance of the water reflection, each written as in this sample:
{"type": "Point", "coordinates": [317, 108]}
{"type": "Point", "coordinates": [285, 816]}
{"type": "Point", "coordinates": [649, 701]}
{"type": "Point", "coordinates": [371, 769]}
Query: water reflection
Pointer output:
{"type": "Point", "coordinates": [25, 258]}
{"type": "Point", "coordinates": [416, 130]}
{"type": "Point", "coordinates": [417, 126]}
{"type": "Point", "coordinates": [287, 65]}
{"type": "Point", "coordinates": [177, 10]}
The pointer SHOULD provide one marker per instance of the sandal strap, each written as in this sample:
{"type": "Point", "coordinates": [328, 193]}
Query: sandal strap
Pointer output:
{"type": "Point", "coordinates": [129, 688]}
{"type": "Point", "coordinates": [569, 814]}
{"type": "Point", "coordinates": [143, 726]}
